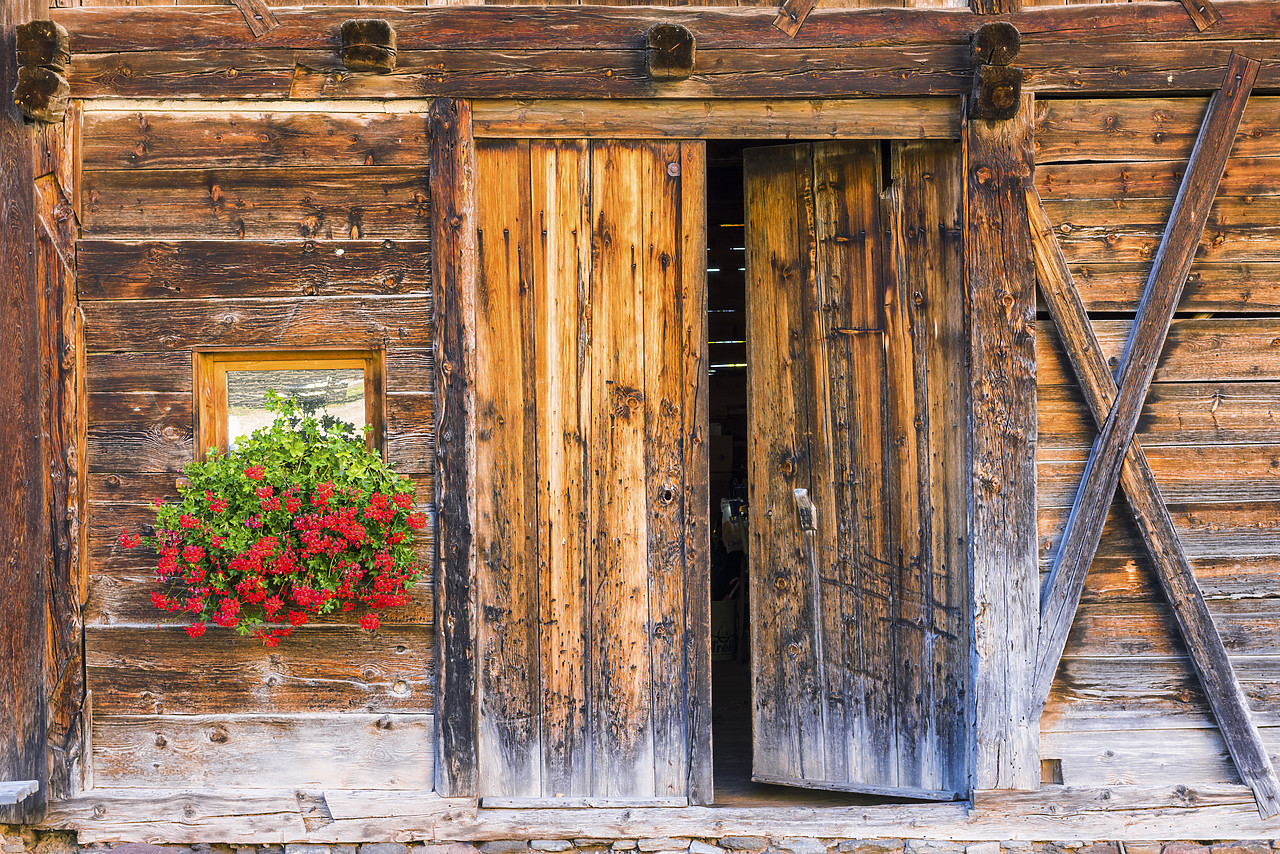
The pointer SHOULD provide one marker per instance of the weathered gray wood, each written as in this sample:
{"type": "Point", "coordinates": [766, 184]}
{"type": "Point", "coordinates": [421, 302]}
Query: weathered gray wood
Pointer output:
{"type": "Point", "coordinates": [453, 233]}
{"type": "Point", "coordinates": [17, 791]}
{"type": "Point", "coordinates": [1002, 545]}
{"type": "Point", "coordinates": [1225, 695]}
{"type": "Point", "coordinates": [1061, 591]}
{"type": "Point", "coordinates": [24, 526]}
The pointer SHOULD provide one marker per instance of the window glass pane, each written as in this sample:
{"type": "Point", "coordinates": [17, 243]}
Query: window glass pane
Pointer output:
{"type": "Point", "coordinates": [319, 391]}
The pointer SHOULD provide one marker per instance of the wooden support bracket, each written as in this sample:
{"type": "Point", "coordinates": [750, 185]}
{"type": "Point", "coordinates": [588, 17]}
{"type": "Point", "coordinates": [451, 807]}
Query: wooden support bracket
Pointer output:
{"type": "Point", "coordinates": [1173, 570]}
{"type": "Point", "coordinates": [791, 15]}
{"type": "Point", "coordinates": [1060, 596]}
{"type": "Point", "coordinates": [670, 50]}
{"type": "Point", "coordinates": [43, 50]}
{"type": "Point", "coordinates": [257, 16]}
{"type": "Point", "coordinates": [369, 44]}
{"type": "Point", "coordinates": [1203, 13]}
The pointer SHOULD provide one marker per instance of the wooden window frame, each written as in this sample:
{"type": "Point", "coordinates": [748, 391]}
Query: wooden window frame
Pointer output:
{"type": "Point", "coordinates": [210, 367]}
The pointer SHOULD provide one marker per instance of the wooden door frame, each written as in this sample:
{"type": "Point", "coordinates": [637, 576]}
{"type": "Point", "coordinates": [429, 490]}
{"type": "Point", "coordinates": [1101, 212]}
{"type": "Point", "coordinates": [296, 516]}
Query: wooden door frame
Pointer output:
{"type": "Point", "coordinates": [998, 343]}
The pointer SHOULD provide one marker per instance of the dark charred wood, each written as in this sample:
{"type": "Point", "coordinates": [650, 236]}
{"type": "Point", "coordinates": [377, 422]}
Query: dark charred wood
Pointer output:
{"type": "Point", "coordinates": [670, 52]}
{"type": "Point", "coordinates": [997, 90]}
{"type": "Point", "coordinates": [996, 43]}
{"type": "Point", "coordinates": [44, 44]}
{"type": "Point", "coordinates": [41, 94]}
{"type": "Point", "coordinates": [368, 44]}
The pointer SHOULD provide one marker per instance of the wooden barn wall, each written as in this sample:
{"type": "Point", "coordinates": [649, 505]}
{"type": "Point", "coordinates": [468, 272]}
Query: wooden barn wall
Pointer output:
{"type": "Point", "coordinates": [1126, 706]}
{"type": "Point", "coordinates": [829, 4]}
{"type": "Point", "coordinates": [290, 230]}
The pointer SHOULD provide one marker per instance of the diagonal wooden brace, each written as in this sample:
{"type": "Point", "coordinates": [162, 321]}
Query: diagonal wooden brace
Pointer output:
{"type": "Point", "coordinates": [1203, 13]}
{"type": "Point", "coordinates": [1204, 644]}
{"type": "Point", "coordinates": [1060, 595]}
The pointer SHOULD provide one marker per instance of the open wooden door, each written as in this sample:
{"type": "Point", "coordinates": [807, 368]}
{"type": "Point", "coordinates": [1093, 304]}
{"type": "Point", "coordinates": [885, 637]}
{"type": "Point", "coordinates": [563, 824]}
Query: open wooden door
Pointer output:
{"type": "Point", "coordinates": [593, 646]}
{"type": "Point", "coordinates": [859, 594]}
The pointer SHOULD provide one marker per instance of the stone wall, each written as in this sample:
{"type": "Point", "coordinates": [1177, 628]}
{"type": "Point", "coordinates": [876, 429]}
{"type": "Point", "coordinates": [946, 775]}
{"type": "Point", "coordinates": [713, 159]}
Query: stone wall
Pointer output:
{"type": "Point", "coordinates": [25, 841]}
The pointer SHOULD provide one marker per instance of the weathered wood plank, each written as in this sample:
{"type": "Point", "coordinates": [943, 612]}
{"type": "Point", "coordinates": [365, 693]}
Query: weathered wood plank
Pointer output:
{"type": "Point", "coordinates": [561, 262]}
{"type": "Point", "coordinates": [506, 506]}
{"type": "Point", "coordinates": [119, 29]}
{"type": "Point", "coordinates": [1185, 474]}
{"type": "Point", "coordinates": [151, 325]}
{"type": "Point", "coordinates": [1001, 298]}
{"type": "Point", "coordinates": [24, 523]}
{"type": "Point", "coordinates": [206, 269]}
{"type": "Point", "coordinates": [162, 139]}
{"type": "Point", "coordinates": [1244, 288]}
{"type": "Point", "coordinates": [140, 670]}
{"type": "Point", "coordinates": [453, 228]}
{"type": "Point", "coordinates": [265, 751]}
{"type": "Point", "coordinates": [908, 118]}
{"type": "Point", "coordinates": [788, 736]}
{"type": "Point", "coordinates": [621, 722]}
{"type": "Point", "coordinates": [1138, 129]}
{"type": "Point", "coordinates": [1228, 243]}
{"type": "Point", "coordinates": [1128, 578]}
{"type": "Point", "coordinates": [1196, 350]}
{"type": "Point", "coordinates": [1061, 591]}
{"type": "Point", "coordinates": [692, 259]}
{"type": "Point", "coordinates": [301, 203]}
{"type": "Point", "coordinates": [1151, 179]}
{"type": "Point", "coordinates": [1148, 629]}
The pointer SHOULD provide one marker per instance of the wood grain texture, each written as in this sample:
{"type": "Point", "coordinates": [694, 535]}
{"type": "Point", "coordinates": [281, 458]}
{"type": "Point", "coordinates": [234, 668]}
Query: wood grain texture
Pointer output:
{"type": "Point", "coordinates": [1002, 359]}
{"type": "Point", "coordinates": [1177, 579]}
{"type": "Point", "coordinates": [853, 118]}
{"type": "Point", "coordinates": [1061, 590]}
{"type": "Point", "coordinates": [162, 139]}
{"type": "Point", "coordinates": [453, 229]}
{"type": "Point", "coordinates": [215, 269]}
{"type": "Point", "coordinates": [264, 751]}
{"type": "Point", "coordinates": [24, 523]}
{"type": "Point", "coordinates": [300, 203]}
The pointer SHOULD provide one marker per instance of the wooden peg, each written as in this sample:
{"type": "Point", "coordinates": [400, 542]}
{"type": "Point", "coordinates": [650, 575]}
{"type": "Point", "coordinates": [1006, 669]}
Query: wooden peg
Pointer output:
{"type": "Point", "coordinates": [368, 44]}
{"type": "Point", "coordinates": [43, 44]}
{"type": "Point", "coordinates": [670, 50]}
{"type": "Point", "coordinates": [997, 91]}
{"type": "Point", "coordinates": [996, 43]}
{"type": "Point", "coordinates": [41, 94]}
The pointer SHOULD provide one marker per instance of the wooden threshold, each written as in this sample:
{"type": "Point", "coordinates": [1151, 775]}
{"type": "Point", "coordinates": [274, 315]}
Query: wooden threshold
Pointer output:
{"type": "Point", "coordinates": [1055, 812]}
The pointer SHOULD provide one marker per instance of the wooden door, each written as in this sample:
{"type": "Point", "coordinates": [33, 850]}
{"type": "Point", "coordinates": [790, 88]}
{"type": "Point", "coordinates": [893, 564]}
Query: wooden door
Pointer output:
{"type": "Point", "coordinates": [593, 637]}
{"type": "Point", "coordinates": [859, 592]}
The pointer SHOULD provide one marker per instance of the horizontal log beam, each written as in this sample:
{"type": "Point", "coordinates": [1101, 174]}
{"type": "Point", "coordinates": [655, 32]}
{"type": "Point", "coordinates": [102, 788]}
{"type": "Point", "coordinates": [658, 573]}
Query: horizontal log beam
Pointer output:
{"type": "Point", "coordinates": [540, 52]}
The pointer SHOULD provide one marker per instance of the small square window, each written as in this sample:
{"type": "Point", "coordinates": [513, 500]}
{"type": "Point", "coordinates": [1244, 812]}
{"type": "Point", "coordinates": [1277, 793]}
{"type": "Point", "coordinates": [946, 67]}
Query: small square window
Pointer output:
{"type": "Point", "coordinates": [231, 389]}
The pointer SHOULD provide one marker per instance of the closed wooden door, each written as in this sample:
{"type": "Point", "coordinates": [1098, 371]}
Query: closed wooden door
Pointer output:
{"type": "Point", "coordinates": [592, 505]}
{"type": "Point", "coordinates": [859, 592]}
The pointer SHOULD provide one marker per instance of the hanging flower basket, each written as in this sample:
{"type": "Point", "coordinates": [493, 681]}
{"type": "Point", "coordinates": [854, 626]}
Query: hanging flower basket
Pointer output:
{"type": "Point", "coordinates": [300, 519]}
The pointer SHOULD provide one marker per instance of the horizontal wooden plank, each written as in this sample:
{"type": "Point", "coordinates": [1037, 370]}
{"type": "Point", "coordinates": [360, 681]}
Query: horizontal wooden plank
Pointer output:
{"type": "Point", "coordinates": [1153, 179]}
{"type": "Point", "coordinates": [1243, 529]}
{"type": "Point", "coordinates": [138, 670]}
{"type": "Point", "coordinates": [164, 325]}
{"type": "Point", "coordinates": [1120, 578]}
{"type": "Point", "coordinates": [1146, 629]}
{"type": "Point", "coordinates": [1070, 215]}
{"type": "Point", "coordinates": [1196, 350]}
{"type": "Point", "coordinates": [1137, 129]}
{"type": "Point", "coordinates": [498, 28]}
{"type": "Point", "coordinates": [123, 598]}
{"type": "Point", "coordinates": [1183, 413]}
{"type": "Point", "coordinates": [1186, 474]}
{"type": "Point", "coordinates": [1149, 757]}
{"type": "Point", "coordinates": [905, 118]}
{"type": "Point", "coordinates": [107, 488]}
{"type": "Point", "coordinates": [162, 139]}
{"type": "Point", "coordinates": [1245, 288]}
{"type": "Point", "coordinates": [1123, 694]}
{"type": "Point", "coordinates": [130, 373]}
{"type": "Point", "coordinates": [263, 204]}
{"type": "Point", "coordinates": [1137, 66]}
{"type": "Point", "coordinates": [264, 752]}
{"type": "Point", "coordinates": [1232, 242]}
{"type": "Point", "coordinates": [218, 269]}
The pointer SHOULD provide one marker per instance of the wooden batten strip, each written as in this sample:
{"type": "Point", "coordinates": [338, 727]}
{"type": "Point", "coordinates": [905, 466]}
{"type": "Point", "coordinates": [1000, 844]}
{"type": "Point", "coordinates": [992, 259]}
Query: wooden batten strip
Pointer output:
{"type": "Point", "coordinates": [1203, 12]}
{"type": "Point", "coordinates": [791, 15]}
{"type": "Point", "coordinates": [1204, 644]}
{"type": "Point", "coordinates": [453, 235]}
{"type": "Point", "coordinates": [849, 118]}
{"type": "Point", "coordinates": [257, 16]}
{"type": "Point", "coordinates": [1060, 595]}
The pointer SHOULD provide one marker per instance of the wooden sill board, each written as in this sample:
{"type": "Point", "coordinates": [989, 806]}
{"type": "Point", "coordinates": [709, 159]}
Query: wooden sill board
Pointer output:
{"type": "Point", "coordinates": [17, 791]}
{"type": "Point", "coordinates": [244, 816]}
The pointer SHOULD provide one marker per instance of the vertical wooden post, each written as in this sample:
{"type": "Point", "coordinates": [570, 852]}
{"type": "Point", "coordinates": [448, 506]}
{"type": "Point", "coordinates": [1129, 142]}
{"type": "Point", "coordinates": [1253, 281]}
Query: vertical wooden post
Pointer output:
{"type": "Point", "coordinates": [453, 236]}
{"type": "Point", "coordinates": [24, 528]}
{"type": "Point", "coordinates": [1001, 285]}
